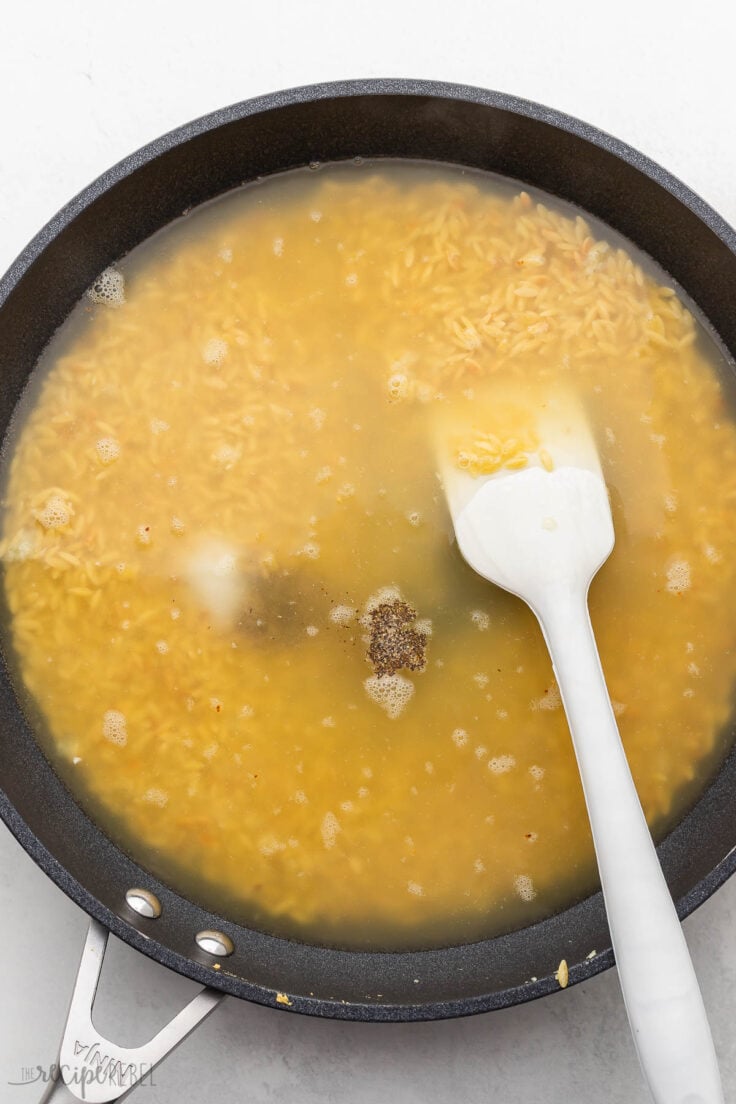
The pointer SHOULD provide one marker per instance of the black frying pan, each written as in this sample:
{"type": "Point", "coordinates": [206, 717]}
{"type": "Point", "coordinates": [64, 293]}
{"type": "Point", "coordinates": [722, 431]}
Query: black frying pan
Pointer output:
{"type": "Point", "coordinates": [374, 118]}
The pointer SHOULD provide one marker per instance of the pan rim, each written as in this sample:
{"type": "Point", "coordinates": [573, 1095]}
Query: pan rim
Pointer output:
{"type": "Point", "coordinates": [378, 87]}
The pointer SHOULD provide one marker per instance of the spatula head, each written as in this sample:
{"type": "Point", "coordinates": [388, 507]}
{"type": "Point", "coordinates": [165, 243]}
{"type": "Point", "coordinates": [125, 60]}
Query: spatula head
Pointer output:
{"type": "Point", "coordinates": [538, 527]}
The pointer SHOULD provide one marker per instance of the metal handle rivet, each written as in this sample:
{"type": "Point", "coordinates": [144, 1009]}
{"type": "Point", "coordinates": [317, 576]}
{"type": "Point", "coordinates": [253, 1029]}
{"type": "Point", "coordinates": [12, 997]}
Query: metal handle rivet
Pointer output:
{"type": "Point", "coordinates": [215, 943]}
{"type": "Point", "coordinates": [144, 902]}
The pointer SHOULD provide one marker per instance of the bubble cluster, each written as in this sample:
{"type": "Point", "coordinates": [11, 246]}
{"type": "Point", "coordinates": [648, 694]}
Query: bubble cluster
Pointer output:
{"type": "Point", "coordinates": [226, 456]}
{"type": "Point", "coordinates": [391, 692]}
{"type": "Point", "coordinates": [108, 289]}
{"type": "Point", "coordinates": [107, 449]}
{"type": "Point", "coordinates": [480, 619]}
{"type": "Point", "coordinates": [524, 886]}
{"type": "Point", "coordinates": [549, 701]}
{"type": "Point", "coordinates": [678, 576]}
{"type": "Point", "coordinates": [329, 828]}
{"type": "Point", "coordinates": [399, 386]}
{"type": "Point", "coordinates": [56, 512]}
{"type": "Point", "coordinates": [214, 351]}
{"type": "Point", "coordinates": [501, 764]}
{"type": "Point", "coordinates": [154, 796]}
{"type": "Point", "coordinates": [115, 727]}
{"type": "Point", "coordinates": [342, 615]}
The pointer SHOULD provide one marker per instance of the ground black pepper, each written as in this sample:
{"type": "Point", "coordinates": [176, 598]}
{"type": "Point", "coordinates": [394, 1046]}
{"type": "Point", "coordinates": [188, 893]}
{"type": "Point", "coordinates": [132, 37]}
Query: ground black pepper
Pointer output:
{"type": "Point", "coordinates": [394, 641]}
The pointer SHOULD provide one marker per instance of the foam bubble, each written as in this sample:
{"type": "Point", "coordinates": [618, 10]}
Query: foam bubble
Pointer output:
{"type": "Point", "coordinates": [415, 889]}
{"type": "Point", "coordinates": [108, 449]}
{"type": "Point", "coordinates": [524, 886]}
{"type": "Point", "coordinates": [459, 737]}
{"type": "Point", "coordinates": [329, 828]}
{"type": "Point", "coordinates": [536, 772]}
{"type": "Point", "coordinates": [312, 630]}
{"type": "Point", "coordinates": [162, 647]}
{"type": "Point", "coordinates": [56, 512]}
{"type": "Point", "coordinates": [399, 386]}
{"type": "Point", "coordinates": [712, 554]}
{"type": "Point", "coordinates": [342, 615]}
{"type": "Point", "coordinates": [226, 456]}
{"type": "Point", "coordinates": [278, 247]}
{"type": "Point", "coordinates": [391, 692]}
{"type": "Point", "coordinates": [414, 518]}
{"type": "Point", "coordinates": [158, 425]}
{"type": "Point", "coordinates": [317, 417]}
{"type": "Point", "coordinates": [214, 351]}
{"type": "Point", "coordinates": [108, 289]}
{"type": "Point", "coordinates": [480, 752]}
{"type": "Point", "coordinates": [328, 722]}
{"type": "Point", "coordinates": [310, 550]}
{"type": "Point", "coordinates": [176, 525]}
{"type": "Point", "coordinates": [550, 701]}
{"type": "Point", "coordinates": [351, 279]}
{"type": "Point", "coordinates": [115, 727]}
{"type": "Point", "coordinates": [480, 680]}
{"type": "Point", "coordinates": [316, 216]}
{"type": "Point", "coordinates": [324, 474]}
{"type": "Point", "coordinates": [225, 255]}
{"type": "Point", "coordinates": [678, 576]}
{"type": "Point", "coordinates": [423, 625]}
{"type": "Point", "coordinates": [143, 535]}
{"type": "Point", "coordinates": [154, 796]}
{"type": "Point", "coordinates": [479, 866]}
{"type": "Point", "coordinates": [480, 619]}
{"type": "Point", "coordinates": [501, 764]}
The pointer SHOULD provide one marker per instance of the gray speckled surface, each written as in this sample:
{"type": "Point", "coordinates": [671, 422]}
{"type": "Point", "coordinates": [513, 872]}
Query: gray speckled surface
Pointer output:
{"type": "Point", "coordinates": [80, 86]}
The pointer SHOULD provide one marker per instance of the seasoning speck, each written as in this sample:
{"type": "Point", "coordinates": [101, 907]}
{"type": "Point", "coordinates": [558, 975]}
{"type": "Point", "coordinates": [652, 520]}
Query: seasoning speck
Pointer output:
{"type": "Point", "coordinates": [395, 642]}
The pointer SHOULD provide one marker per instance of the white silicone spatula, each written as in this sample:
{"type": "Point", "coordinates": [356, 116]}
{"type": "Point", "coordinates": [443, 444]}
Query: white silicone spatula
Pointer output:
{"type": "Point", "coordinates": [543, 535]}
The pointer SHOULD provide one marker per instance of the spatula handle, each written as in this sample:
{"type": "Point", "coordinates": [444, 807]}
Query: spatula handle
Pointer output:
{"type": "Point", "coordinates": [660, 990]}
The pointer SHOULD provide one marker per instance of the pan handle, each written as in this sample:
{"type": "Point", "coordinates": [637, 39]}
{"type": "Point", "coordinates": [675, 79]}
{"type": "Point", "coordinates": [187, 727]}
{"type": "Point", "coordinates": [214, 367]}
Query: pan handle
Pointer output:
{"type": "Point", "coordinates": [93, 1069]}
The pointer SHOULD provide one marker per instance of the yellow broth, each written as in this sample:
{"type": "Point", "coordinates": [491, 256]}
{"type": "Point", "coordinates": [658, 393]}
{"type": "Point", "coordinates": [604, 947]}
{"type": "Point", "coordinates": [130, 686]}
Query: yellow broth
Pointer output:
{"type": "Point", "coordinates": [227, 455]}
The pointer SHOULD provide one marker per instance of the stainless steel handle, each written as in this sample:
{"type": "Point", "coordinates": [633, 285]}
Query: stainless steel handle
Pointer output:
{"type": "Point", "coordinates": [93, 1069]}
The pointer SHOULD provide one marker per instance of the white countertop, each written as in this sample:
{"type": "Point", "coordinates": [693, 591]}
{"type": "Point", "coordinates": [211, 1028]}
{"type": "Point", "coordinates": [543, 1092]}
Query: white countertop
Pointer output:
{"type": "Point", "coordinates": [81, 85]}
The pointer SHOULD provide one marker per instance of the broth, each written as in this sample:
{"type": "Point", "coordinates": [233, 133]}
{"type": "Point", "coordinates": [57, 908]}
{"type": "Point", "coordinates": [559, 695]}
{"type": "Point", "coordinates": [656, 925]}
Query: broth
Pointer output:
{"type": "Point", "coordinates": [236, 604]}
